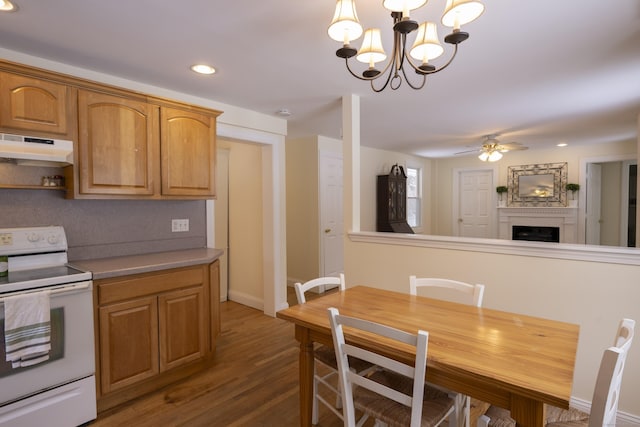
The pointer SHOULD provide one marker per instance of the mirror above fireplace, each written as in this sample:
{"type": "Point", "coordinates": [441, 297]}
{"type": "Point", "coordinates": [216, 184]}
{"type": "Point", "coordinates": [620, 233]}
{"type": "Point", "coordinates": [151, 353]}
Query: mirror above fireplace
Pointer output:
{"type": "Point", "coordinates": [537, 185]}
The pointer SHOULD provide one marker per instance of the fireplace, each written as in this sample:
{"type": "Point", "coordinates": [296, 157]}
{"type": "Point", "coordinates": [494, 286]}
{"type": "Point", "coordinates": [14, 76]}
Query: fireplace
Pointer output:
{"type": "Point", "coordinates": [563, 220]}
{"type": "Point", "coordinates": [536, 234]}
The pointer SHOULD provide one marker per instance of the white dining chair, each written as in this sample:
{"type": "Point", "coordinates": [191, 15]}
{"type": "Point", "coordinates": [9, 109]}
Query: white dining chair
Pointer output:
{"type": "Point", "coordinates": [395, 393]}
{"type": "Point", "coordinates": [604, 404]}
{"type": "Point", "coordinates": [326, 355]}
{"type": "Point", "coordinates": [470, 294]}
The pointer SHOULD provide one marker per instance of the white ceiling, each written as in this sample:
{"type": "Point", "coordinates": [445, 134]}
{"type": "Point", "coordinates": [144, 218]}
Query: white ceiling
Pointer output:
{"type": "Point", "coordinates": [535, 71]}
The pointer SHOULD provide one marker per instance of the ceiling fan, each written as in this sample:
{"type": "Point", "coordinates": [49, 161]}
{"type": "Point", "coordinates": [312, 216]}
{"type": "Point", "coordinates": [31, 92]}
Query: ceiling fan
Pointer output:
{"type": "Point", "coordinates": [492, 149]}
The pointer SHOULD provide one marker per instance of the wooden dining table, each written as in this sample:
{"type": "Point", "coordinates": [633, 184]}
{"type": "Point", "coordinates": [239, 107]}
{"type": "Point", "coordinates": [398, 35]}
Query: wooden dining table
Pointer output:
{"type": "Point", "coordinates": [511, 360]}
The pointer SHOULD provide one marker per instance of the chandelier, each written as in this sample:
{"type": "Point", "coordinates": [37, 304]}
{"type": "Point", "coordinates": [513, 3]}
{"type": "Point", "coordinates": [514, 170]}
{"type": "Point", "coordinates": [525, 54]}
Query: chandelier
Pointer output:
{"type": "Point", "coordinates": [345, 27]}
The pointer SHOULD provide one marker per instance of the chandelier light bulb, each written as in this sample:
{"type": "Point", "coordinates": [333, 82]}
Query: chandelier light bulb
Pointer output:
{"type": "Point", "coordinates": [345, 25]}
{"type": "Point", "coordinates": [7, 6]}
{"type": "Point", "coordinates": [402, 5]}
{"type": "Point", "coordinates": [427, 46]}
{"type": "Point", "coordinates": [371, 50]}
{"type": "Point", "coordinates": [461, 12]}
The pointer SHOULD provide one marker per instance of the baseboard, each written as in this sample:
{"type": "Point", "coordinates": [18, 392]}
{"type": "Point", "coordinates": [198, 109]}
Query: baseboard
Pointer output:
{"type": "Point", "coordinates": [624, 419]}
{"type": "Point", "coordinates": [245, 299]}
{"type": "Point", "coordinates": [291, 281]}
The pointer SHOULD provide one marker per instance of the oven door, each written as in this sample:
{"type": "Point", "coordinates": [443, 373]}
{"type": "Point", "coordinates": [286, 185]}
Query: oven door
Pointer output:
{"type": "Point", "coordinates": [72, 346]}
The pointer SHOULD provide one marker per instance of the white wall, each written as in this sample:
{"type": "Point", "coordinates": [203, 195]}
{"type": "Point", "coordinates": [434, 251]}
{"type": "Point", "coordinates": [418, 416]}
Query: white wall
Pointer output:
{"type": "Point", "coordinates": [246, 276]}
{"type": "Point", "coordinates": [303, 209]}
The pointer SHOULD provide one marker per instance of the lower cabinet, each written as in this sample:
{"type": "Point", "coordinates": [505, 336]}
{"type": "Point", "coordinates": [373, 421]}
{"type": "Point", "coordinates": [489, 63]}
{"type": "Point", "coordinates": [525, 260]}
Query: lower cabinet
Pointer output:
{"type": "Point", "coordinates": [153, 328]}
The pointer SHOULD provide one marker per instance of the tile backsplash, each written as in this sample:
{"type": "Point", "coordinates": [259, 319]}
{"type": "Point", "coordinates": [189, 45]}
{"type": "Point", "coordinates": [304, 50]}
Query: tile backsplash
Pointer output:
{"type": "Point", "coordinates": [106, 228]}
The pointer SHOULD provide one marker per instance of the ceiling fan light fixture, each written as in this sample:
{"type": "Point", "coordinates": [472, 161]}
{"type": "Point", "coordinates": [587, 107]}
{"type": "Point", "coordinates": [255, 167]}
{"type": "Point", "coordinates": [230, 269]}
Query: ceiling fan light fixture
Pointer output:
{"type": "Point", "coordinates": [495, 156]}
{"type": "Point", "coordinates": [484, 156]}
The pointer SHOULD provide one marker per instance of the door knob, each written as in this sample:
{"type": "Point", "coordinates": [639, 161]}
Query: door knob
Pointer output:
{"type": "Point", "coordinates": [327, 230]}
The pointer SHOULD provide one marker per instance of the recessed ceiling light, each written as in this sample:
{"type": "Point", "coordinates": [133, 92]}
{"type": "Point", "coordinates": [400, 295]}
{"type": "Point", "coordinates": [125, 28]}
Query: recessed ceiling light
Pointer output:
{"type": "Point", "coordinates": [7, 6]}
{"type": "Point", "coordinates": [201, 68]}
{"type": "Point", "coordinates": [562, 144]}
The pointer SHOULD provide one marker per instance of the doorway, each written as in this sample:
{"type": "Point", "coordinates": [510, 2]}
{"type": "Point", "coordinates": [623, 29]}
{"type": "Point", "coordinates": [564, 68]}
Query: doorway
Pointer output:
{"type": "Point", "coordinates": [331, 214]}
{"type": "Point", "coordinates": [274, 263]}
{"type": "Point", "coordinates": [473, 203]}
{"type": "Point", "coordinates": [609, 200]}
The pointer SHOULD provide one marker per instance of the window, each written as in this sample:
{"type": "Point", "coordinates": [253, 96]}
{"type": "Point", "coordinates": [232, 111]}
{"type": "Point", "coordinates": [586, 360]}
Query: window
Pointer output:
{"type": "Point", "coordinates": [414, 197]}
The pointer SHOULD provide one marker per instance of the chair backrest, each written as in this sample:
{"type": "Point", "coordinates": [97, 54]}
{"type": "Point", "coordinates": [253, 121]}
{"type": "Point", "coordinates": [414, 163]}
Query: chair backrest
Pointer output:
{"type": "Point", "coordinates": [604, 405]}
{"type": "Point", "coordinates": [301, 288]}
{"type": "Point", "coordinates": [350, 379]}
{"type": "Point", "coordinates": [474, 292]}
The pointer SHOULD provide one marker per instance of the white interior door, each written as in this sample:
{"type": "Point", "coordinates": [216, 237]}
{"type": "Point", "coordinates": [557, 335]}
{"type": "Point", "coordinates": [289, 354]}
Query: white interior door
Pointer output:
{"type": "Point", "coordinates": [331, 222]}
{"type": "Point", "coordinates": [222, 218]}
{"type": "Point", "coordinates": [593, 207]}
{"type": "Point", "coordinates": [475, 203]}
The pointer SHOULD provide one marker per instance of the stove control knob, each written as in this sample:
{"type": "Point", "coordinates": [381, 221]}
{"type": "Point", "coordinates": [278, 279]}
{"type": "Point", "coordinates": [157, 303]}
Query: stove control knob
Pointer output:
{"type": "Point", "coordinates": [53, 239]}
{"type": "Point", "coordinates": [34, 237]}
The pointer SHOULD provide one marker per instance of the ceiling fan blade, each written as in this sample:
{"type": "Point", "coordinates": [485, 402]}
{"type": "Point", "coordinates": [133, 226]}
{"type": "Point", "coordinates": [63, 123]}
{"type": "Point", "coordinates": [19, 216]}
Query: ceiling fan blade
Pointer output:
{"type": "Point", "coordinates": [511, 146]}
{"type": "Point", "coordinates": [475, 150]}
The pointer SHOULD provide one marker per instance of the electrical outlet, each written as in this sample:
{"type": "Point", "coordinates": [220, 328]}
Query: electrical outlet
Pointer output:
{"type": "Point", "coordinates": [179, 225]}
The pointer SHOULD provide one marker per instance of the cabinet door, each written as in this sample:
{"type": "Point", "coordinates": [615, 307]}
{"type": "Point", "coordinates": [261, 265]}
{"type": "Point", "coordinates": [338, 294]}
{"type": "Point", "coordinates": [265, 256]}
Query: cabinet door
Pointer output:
{"type": "Point", "coordinates": [183, 327]}
{"type": "Point", "coordinates": [118, 145]}
{"type": "Point", "coordinates": [28, 104]}
{"type": "Point", "coordinates": [188, 153]}
{"type": "Point", "coordinates": [128, 343]}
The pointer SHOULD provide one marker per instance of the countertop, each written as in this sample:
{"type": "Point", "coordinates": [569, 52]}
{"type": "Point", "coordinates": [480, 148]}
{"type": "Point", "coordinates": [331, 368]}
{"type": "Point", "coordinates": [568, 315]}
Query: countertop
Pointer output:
{"type": "Point", "coordinates": [104, 268]}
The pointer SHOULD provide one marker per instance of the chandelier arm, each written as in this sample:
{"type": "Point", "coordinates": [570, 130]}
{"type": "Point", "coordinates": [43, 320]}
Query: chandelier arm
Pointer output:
{"type": "Point", "coordinates": [404, 72]}
{"type": "Point", "coordinates": [346, 61]}
{"type": "Point", "coordinates": [389, 77]}
{"type": "Point", "coordinates": [406, 78]}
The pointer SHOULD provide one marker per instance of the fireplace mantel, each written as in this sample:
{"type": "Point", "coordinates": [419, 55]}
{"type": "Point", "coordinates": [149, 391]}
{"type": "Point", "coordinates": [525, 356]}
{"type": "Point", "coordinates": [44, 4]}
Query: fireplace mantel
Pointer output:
{"type": "Point", "coordinates": [564, 218]}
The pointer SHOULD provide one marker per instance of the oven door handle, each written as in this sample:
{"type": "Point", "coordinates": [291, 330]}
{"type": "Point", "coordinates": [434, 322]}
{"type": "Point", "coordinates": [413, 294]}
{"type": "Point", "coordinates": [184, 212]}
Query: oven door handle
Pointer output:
{"type": "Point", "coordinates": [53, 290]}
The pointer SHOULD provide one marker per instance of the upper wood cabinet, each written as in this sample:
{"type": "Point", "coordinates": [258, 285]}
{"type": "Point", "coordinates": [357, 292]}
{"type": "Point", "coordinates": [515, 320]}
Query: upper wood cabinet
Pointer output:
{"type": "Point", "coordinates": [34, 106]}
{"type": "Point", "coordinates": [188, 152]}
{"type": "Point", "coordinates": [118, 144]}
{"type": "Point", "coordinates": [129, 145]}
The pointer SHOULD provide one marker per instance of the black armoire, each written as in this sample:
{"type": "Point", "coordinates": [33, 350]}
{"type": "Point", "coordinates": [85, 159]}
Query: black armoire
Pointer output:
{"type": "Point", "coordinates": [392, 202]}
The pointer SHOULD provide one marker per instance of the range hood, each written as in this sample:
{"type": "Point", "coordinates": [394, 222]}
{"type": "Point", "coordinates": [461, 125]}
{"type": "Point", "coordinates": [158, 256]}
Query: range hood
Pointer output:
{"type": "Point", "coordinates": [35, 151]}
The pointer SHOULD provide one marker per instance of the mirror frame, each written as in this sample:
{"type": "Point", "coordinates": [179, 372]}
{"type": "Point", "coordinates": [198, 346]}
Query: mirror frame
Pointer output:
{"type": "Point", "coordinates": [557, 170]}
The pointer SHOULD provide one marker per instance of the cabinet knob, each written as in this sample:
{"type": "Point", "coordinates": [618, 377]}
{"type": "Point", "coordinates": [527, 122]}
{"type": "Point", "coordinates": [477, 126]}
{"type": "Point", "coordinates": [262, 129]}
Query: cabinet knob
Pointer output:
{"type": "Point", "coordinates": [327, 230]}
{"type": "Point", "coordinates": [459, 219]}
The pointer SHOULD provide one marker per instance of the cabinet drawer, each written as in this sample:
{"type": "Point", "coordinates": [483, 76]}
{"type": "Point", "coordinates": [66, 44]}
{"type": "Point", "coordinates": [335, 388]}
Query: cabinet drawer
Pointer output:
{"type": "Point", "coordinates": [119, 289]}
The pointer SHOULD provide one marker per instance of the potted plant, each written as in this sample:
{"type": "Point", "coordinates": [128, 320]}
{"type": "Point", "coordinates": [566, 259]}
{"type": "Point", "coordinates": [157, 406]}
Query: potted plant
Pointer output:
{"type": "Point", "coordinates": [501, 189]}
{"type": "Point", "coordinates": [573, 202]}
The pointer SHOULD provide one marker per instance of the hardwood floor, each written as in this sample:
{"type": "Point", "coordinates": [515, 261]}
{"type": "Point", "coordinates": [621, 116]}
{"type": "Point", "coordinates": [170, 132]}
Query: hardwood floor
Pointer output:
{"type": "Point", "coordinates": [253, 382]}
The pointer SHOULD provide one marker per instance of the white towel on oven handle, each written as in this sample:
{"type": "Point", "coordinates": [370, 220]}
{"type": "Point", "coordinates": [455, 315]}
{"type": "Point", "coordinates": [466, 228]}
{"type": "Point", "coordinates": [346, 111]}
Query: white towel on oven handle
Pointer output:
{"type": "Point", "coordinates": [27, 328]}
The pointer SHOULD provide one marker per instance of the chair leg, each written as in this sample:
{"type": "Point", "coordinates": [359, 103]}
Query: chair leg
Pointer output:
{"type": "Point", "coordinates": [467, 411]}
{"type": "Point", "coordinates": [314, 407]}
